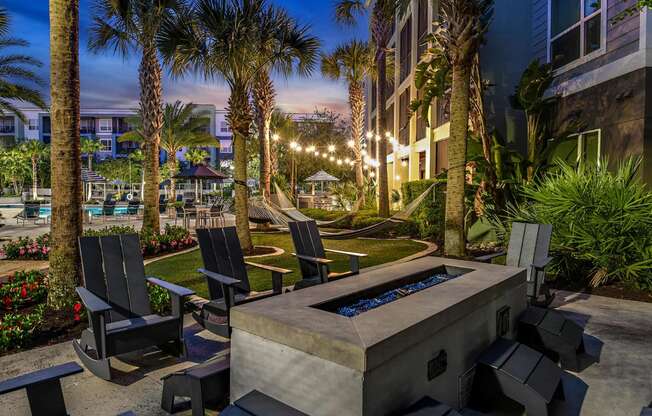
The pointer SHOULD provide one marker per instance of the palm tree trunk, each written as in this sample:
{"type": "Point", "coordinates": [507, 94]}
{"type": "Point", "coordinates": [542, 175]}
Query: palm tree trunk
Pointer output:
{"type": "Point", "coordinates": [151, 104]}
{"type": "Point", "coordinates": [172, 166]}
{"type": "Point", "coordinates": [383, 186]}
{"type": "Point", "coordinates": [66, 225]}
{"type": "Point", "coordinates": [356, 102]}
{"type": "Point", "coordinates": [455, 242]}
{"type": "Point", "coordinates": [239, 116]}
{"type": "Point", "coordinates": [264, 100]}
{"type": "Point", "coordinates": [34, 179]}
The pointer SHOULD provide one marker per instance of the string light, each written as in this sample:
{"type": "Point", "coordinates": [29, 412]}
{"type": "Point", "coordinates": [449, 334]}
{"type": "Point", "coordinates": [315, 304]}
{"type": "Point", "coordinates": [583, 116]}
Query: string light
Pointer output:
{"type": "Point", "coordinates": [365, 167]}
{"type": "Point", "coordinates": [299, 148]}
{"type": "Point", "coordinates": [331, 148]}
{"type": "Point", "coordinates": [370, 135]}
{"type": "Point", "coordinates": [388, 134]}
{"type": "Point", "coordinates": [351, 163]}
{"type": "Point", "coordinates": [363, 152]}
{"type": "Point", "coordinates": [276, 137]}
{"type": "Point", "coordinates": [324, 155]}
{"type": "Point", "coordinates": [339, 162]}
{"type": "Point", "coordinates": [332, 158]}
{"type": "Point", "coordinates": [398, 177]}
{"type": "Point", "coordinates": [350, 143]}
{"type": "Point", "coordinates": [372, 174]}
{"type": "Point", "coordinates": [377, 138]}
{"type": "Point", "coordinates": [347, 160]}
{"type": "Point", "coordinates": [316, 153]}
{"type": "Point", "coordinates": [293, 145]}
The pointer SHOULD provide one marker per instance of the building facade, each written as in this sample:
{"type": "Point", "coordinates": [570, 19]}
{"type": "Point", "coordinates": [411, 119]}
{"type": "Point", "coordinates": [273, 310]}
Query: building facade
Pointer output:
{"type": "Point", "coordinates": [601, 58]}
{"type": "Point", "coordinates": [106, 125]}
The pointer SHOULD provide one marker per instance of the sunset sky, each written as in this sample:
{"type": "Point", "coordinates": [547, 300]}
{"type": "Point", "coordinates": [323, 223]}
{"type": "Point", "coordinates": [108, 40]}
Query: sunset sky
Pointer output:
{"type": "Point", "coordinates": [110, 81]}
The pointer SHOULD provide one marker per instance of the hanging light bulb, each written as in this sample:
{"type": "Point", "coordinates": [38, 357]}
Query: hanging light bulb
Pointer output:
{"type": "Point", "coordinates": [398, 177]}
{"type": "Point", "coordinates": [370, 134]}
{"type": "Point", "coordinates": [350, 143]}
{"type": "Point", "coordinates": [293, 145]}
{"type": "Point", "coordinates": [372, 174]}
{"type": "Point", "coordinates": [388, 134]}
{"type": "Point", "coordinates": [316, 153]}
{"type": "Point", "coordinates": [332, 158]}
{"type": "Point", "coordinates": [347, 160]}
{"type": "Point", "coordinates": [363, 152]}
{"type": "Point", "coordinates": [331, 148]}
{"type": "Point", "coordinates": [276, 137]}
{"type": "Point", "coordinates": [377, 138]}
{"type": "Point", "coordinates": [339, 162]}
{"type": "Point", "coordinates": [324, 155]}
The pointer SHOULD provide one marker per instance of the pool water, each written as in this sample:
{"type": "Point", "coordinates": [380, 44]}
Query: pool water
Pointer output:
{"type": "Point", "coordinates": [364, 305]}
{"type": "Point", "coordinates": [45, 212]}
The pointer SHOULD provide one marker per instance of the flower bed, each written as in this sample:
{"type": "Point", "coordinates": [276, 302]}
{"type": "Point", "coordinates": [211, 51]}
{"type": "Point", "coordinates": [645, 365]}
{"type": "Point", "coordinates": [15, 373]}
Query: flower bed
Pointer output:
{"type": "Point", "coordinates": [171, 240]}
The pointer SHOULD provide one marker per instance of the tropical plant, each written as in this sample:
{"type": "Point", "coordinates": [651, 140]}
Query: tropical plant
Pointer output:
{"type": "Point", "coordinates": [283, 127]}
{"type": "Point", "coordinates": [14, 167]}
{"type": "Point", "coordinates": [602, 221]}
{"type": "Point", "coordinates": [66, 202]}
{"type": "Point", "coordinates": [34, 151]}
{"type": "Point", "coordinates": [381, 24]}
{"type": "Point", "coordinates": [300, 55]}
{"type": "Point", "coordinates": [15, 71]}
{"type": "Point", "coordinates": [89, 147]}
{"type": "Point", "coordinates": [196, 156]}
{"type": "Point", "coordinates": [183, 127]}
{"type": "Point", "coordinates": [126, 26]}
{"type": "Point", "coordinates": [352, 62]}
{"type": "Point", "coordinates": [222, 39]}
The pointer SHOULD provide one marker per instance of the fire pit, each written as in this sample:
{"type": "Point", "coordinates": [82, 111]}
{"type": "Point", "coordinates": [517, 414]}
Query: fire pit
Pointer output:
{"type": "Point", "coordinates": [375, 343]}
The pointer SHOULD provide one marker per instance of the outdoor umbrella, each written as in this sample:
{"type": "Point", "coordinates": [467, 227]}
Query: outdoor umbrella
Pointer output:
{"type": "Point", "coordinates": [199, 173]}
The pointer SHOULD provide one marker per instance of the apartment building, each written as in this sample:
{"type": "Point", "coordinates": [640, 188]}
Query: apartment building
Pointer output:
{"type": "Point", "coordinates": [601, 58]}
{"type": "Point", "coordinates": [106, 125]}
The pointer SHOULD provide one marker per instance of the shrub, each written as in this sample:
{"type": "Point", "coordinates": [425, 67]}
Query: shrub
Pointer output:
{"type": "Point", "coordinates": [362, 221]}
{"type": "Point", "coordinates": [430, 215]}
{"type": "Point", "coordinates": [27, 249]}
{"type": "Point", "coordinates": [23, 288]}
{"type": "Point", "coordinates": [159, 299]}
{"type": "Point", "coordinates": [16, 329]}
{"type": "Point", "coordinates": [602, 222]}
{"type": "Point", "coordinates": [322, 214]}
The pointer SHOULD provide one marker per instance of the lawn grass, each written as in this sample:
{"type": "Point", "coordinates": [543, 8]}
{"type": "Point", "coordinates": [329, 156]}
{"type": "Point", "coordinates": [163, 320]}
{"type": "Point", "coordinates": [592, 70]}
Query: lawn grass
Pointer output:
{"type": "Point", "coordinates": [181, 269]}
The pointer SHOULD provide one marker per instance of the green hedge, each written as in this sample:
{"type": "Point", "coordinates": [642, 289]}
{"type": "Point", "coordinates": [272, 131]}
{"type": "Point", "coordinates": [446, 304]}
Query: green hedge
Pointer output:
{"type": "Point", "coordinates": [429, 217]}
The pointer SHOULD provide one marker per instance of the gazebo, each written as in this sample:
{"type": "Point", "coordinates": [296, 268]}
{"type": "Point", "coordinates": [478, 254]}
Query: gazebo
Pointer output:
{"type": "Point", "coordinates": [320, 177]}
{"type": "Point", "coordinates": [200, 173]}
{"type": "Point", "coordinates": [91, 178]}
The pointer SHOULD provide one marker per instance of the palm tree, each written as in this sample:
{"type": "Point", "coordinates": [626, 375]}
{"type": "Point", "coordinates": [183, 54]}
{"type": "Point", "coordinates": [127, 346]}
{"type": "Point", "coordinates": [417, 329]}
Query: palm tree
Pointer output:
{"type": "Point", "coordinates": [124, 26]}
{"type": "Point", "coordinates": [34, 150]}
{"type": "Point", "coordinates": [16, 68]}
{"type": "Point", "coordinates": [66, 182]}
{"type": "Point", "coordinates": [196, 156]}
{"type": "Point", "coordinates": [300, 47]}
{"type": "Point", "coordinates": [222, 39]}
{"type": "Point", "coordinates": [383, 13]}
{"type": "Point", "coordinates": [89, 147]}
{"type": "Point", "coordinates": [352, 62]}
{"type": "Point", "coordinates": [182, 127]}
{"type": "Point", "coordinates": [461, 28]}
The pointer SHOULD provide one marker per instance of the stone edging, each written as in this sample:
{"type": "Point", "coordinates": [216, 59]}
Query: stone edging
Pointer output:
{"type": "Point", "coordinates": [430, 248]}
{"type": "Point", "coordinates": [277, 252]}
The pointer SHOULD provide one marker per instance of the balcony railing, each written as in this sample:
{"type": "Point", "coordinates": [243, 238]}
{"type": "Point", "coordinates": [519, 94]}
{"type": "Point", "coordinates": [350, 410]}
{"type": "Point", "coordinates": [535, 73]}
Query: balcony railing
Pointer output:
{"type": "Point", "coordinates": [7, 129]}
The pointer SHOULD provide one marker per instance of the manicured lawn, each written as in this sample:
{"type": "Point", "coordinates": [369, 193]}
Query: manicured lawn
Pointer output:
{"type": "Point", "coordinates": [181, 269]}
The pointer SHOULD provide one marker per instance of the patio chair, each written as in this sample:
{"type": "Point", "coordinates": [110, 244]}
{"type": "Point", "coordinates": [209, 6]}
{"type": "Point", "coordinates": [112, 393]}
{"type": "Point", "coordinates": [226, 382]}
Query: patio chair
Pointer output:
{"type": "Point", "coordinates": [226, 274]}
{"type": "Point", "coordinates": [162, 204]}
{"type": "Point", "coordinates": [528, 248]}
{"type": "Point", "coordinates": [132, 208]}
{"type": "Point", "coordinates": [31, 212]}
{"type": "Point", "coordinates": [312, 255]}
{"type": "Point", "coordinates": [117, 301]}
{"type": "Point", "coordinates": [108, 209]}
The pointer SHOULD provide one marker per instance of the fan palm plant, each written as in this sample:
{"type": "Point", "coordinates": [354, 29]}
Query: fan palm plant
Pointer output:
{"type": "Point", "coordinates": [381, 19]}
{"type": "Point", "coordinates": [89, 147]}
{"type": "Point", "coordinates": [352, 62]}
{"type": "Point", "coordinates": [283, 126]}
{"type": "Point", "coordinates": [124, 27]}
{"type": "Point", "coordinates": [222, 39]}
{"type": "Point", "coordinates": [183, 127]}
{"type": "Point", "coordinates": [15, 69]}
{"type": "Point", "coordinates": [300, 48]}
{"type": "Point", "coordinates": [34, 150]}
{"type": "Point", "coordinates": [66, 181]}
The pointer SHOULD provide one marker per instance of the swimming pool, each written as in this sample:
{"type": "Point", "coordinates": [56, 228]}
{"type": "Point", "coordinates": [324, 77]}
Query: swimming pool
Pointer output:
{"type": "Point", "coordinates": [93, 210]}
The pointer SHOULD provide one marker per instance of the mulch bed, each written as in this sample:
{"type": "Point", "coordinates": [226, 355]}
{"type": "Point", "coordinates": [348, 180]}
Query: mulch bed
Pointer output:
{"type": "Point", "coordinates": [260, 251]}
{"type": "Point", "coordinates": [616, 291]}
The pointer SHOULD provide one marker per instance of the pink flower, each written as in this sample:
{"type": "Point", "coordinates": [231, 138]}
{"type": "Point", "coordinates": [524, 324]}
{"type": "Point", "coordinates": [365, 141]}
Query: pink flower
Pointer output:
{"type": "Point", "coordinates": [21, 252]}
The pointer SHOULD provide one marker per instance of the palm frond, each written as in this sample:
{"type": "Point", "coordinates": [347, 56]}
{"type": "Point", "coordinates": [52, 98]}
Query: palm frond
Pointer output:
{"type": "Point", "coordinates": [346, 11]}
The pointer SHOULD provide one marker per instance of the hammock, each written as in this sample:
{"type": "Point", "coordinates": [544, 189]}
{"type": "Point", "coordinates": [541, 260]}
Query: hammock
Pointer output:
{"type": "Point", "coordinates": [260, 213]}
{"type": "Point", "coordinates": [289, 210]}
{"type": "Point", "coordinates": [389, 223]}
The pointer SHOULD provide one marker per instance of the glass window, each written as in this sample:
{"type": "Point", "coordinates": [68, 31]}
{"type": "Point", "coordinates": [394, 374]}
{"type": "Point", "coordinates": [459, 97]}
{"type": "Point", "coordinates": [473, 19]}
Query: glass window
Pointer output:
{"type": "Point", "coordinates": [565, 150]}
{"type": "Point", "coordinates": [107, 144]}
{"type": "Point", "coordinates": [105, 125]}
{"type": "Point", "coordinates": [583, 147]}
{"type": "Point", "coordinates": [576, 30]}
{"type": "Point", "coordinates": [33, 124]}
{"type": "Point", "coordinates": [591, 147]}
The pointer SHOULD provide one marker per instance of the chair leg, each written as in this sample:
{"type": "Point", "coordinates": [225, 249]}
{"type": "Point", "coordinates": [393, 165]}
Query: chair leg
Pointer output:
{"type": "Point", "coordinates": [100, 367]}
{"type": "Point", "coordinates": [197, 398]}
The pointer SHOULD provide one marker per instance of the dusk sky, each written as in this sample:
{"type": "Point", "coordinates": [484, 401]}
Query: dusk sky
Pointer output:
{"type": "Point", "coordinates": [108, 80]}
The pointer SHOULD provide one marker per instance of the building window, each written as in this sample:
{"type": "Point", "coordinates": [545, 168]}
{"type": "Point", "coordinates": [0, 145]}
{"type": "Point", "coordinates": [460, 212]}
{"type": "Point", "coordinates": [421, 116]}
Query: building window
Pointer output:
{"type": "Point", "coordinates": [224, 127]}
{"type": "Point", "coordinates": [406, 49]}
{"type": "Point", "coordinates": [226, 146]}
{"type": "Point", "coordinates": [6, 124]}
{"type": "Point", "coordinates": [404, 118]}
{"type": "Point", "coordinates": [106, 142]}
{"type": "Point", "coordinates": [422, 30]}
{"type": "Point", "coordinates": [576, 30]}
{"type": "Point", "coordinates": [578, 148]}
{"type": "Point", "coordinates": [421, 122]}
{"type": "Point", "coordinates": [32, 124]}
{"type": "Point", "coordinates": [105, 125]}
{"type": "Point", "coordinates": [87, 125]}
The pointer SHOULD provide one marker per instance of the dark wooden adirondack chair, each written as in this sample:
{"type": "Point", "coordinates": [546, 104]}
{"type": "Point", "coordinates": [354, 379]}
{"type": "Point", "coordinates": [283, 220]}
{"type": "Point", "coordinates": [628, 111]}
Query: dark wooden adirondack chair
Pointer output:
{"type": "Point", "coordinates": [226, 274]}
{"type": "Point", "coordinates": [312, 255]}
{"type": "Point", "coordinates": [528, 248]}
{"type": "Point", "coordinates": [117, 301]}
{"type": "Point", "coordinates": [31, 212]}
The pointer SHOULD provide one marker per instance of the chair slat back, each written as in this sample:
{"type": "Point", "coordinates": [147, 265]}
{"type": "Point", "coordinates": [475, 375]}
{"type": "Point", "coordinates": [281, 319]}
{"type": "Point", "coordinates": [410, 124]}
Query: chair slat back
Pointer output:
{"type": "Point", "coordinates": [32, 210]}
{"type": "Point", "coordinates": [113, 270]}
{"type": "Point", "coordinates": [221, 253]}
{"type": "Point", "coordinates": [529, 243]}
{"type": "Point", "coordinates": [307, 242]}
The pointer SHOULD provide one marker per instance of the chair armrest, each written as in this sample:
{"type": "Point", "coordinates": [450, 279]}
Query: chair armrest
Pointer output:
{"type": "Point", "coordinates": [490, 257]}
{"type": "Point", "coordinates": [317, 260]}
{"type": "Point", "coordinates": [40, 376]}
{"type": "Point", "coordinates": [220, 278]}
{"type": "Point", "coordinates": [268, 268]}
{"type": "Point", "coordinates": [346, 253]}
{"type": "Point", "coordinates": [541, 264]}
{"type": "Point", "coordinates": [171, 287]}
{"type": "Point", "coordinates": [92, 302]}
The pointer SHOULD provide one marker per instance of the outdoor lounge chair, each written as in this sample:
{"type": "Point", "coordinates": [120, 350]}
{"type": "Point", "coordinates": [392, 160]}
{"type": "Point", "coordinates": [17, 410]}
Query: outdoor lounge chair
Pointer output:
{"type": "Point", "coordinates": [508, 368]}
{"type": "Point", "coordinates": [312, 255]}
{"type": "Point", "coordinates": [226, 275]}
{"type": "Point", "coordinates": [117, 301]}
{"type": "Point", "coordinates": [31, 212]}
{"type": "Point", "coordinates": [528, 248]}
{"type": "Point", "coordinates": [108, 209]}
{"type": "Point", "coordinates": [559, 338]}
{"type": "Point", "coordinates": [132, 208]}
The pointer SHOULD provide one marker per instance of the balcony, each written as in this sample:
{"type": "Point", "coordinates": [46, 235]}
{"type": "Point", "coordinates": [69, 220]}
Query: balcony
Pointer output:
{"type": "Point", "coordinates": [7, 129]}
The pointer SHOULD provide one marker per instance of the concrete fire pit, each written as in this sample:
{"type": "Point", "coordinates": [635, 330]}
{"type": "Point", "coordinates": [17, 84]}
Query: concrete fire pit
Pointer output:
{"type": "Point", "coordinates": [300, 349]}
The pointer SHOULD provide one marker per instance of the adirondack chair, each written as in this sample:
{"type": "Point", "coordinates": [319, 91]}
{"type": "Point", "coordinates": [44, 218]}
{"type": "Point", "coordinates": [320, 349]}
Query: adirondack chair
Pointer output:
{"type": "Point", "coordinates": [528, 247]}
{"type": "Point", "coordinates": [31, 212]}
{"type": "Point", "coordinates": [312, 255]}
{"type": "Point", "coordinates": [226, 275]}
{"type": "Point", "coordinates": [116, 299]}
